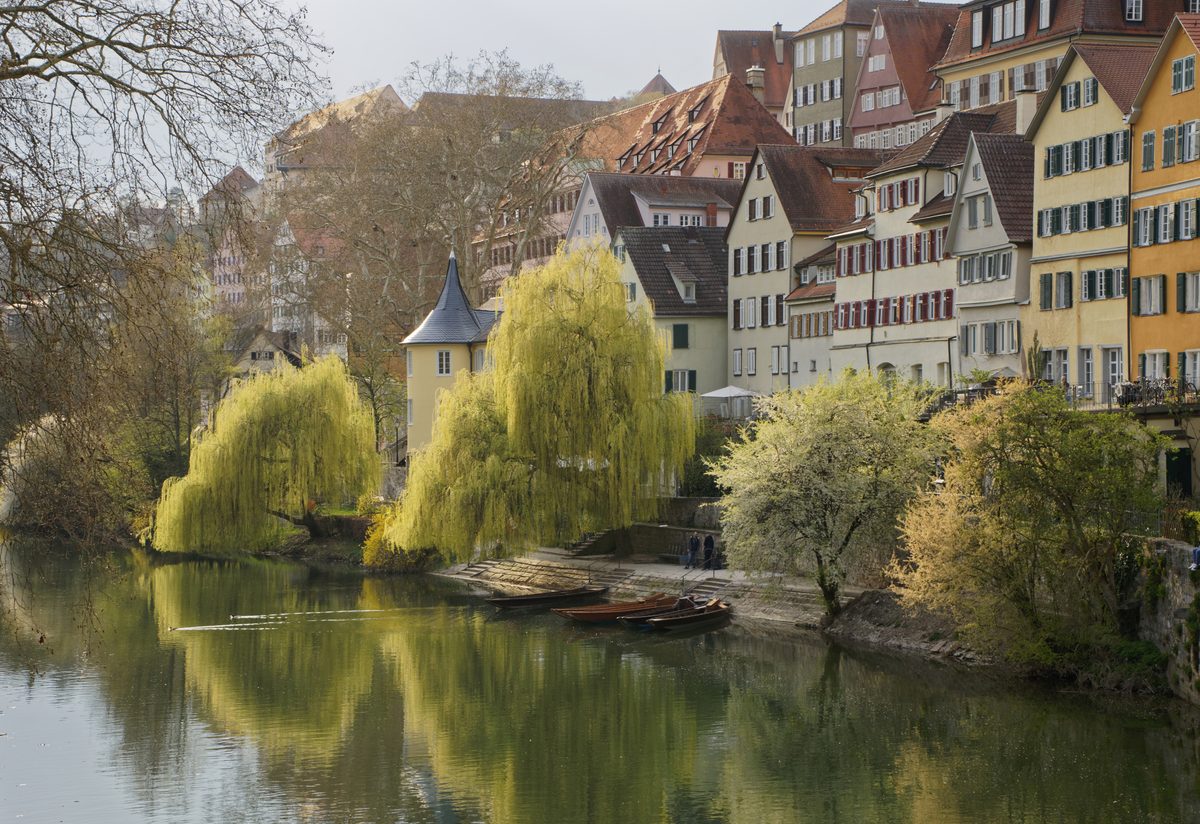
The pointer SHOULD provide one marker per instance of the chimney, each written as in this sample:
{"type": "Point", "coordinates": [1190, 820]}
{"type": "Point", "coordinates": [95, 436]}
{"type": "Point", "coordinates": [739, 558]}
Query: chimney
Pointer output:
{"type": "Point", "coordinates": [756, 79]}
{"type": "Point", "coordinates": [777, 38]}
{"type": "Point", "coordinates": [942, 112]}
{"type": "Point", "coordinates": [710, 214]}
{"type": "Point", "coordinates": [1026, 109]}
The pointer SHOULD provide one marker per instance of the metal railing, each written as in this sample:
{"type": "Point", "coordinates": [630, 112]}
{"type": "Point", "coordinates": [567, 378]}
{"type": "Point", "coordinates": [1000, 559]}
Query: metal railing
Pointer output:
{"type": "Point", "coordinates": [1144, 394]}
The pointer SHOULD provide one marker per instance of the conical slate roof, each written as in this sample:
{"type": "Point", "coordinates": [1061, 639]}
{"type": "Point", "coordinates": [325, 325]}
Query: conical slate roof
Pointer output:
{"type": "Point", "coordinates": [452, 319]}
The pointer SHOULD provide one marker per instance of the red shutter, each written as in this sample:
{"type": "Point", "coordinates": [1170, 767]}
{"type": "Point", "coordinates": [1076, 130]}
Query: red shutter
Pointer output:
{"type": "Point", "coordinates": [870, 313]}
{"type": "Point", "coordinates": [948, 302]}
{"type": "Point", "coordinates": [905, 242]}
{"type": "Point", "coordinates": [887, 311]}
{"type": "Point", "coordinates": [731, 170]}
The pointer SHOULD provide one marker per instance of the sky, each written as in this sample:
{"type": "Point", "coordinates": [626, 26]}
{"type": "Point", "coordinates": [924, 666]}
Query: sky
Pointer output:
{"type": "Point", "coordinates": [611, 48]}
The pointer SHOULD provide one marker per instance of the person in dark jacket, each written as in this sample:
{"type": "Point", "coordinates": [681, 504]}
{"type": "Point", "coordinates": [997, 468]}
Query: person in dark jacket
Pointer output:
{"type": "Point", "coordinates": [693, 550]}
{"type": "Point", "coordinates": [710, 548]}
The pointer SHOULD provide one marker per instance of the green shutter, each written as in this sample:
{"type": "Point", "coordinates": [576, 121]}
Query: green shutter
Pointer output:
{"type": "Point", "coordinates": [1142, 366]}
{"type": "Point", "coordinates": [1047, 290]}
{"type": "Point", "coordinates": [1070, 289]}
{"type": "Point", "coordinates": [691, 380]}
{"type": "Point", "coordinates": [1135, 297]}
{"type": "Point", "coordinates": [679, 336]}
{"type": "Point", "coordinates": [1180, 292]}
{"type": "Point", "coordinates": [668, 381]}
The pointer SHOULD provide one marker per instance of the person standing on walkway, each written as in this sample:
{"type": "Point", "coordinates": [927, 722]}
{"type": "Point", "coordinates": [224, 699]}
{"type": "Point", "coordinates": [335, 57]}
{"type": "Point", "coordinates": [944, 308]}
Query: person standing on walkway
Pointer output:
{"type": "Point", "coordinates": [693, 549]}
{"type": "Point", "coordinates": [710, 548]}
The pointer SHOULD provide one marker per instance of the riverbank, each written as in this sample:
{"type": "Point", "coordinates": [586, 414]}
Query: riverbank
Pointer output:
{"type": "Point", "coordinates": [869, 618]}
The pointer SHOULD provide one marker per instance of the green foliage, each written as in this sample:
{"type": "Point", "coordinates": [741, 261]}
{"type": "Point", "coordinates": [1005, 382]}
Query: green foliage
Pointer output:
{"type": "Point", "coordinates": [712, 435]}
{"type": "Point", "coordinates": [569, 432]}
{"type": "Point", "coordinates": [280, 441]}
{"type": "Point", "coordinates": [817, 485]}
{"type": "Point", "coordinates": [1027, 548]}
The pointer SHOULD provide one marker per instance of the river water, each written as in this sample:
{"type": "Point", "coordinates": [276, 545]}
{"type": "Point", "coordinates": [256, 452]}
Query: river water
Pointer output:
{"type": "Point", "coordinates": [337, 698]}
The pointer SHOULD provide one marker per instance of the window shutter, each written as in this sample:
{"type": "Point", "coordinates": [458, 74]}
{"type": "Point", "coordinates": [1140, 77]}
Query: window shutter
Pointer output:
{"type": "Point", "coordinates": [1048, 173]}
{"type": "Point", "coordinates": [1142, 366]}
{"type": "Point", "coordinates": [989, 338]}
{"type": "Point", "coordinates": [1161, 282]}
{"type": "Point", "coordinates": [1062, 99]}
{"type": "Point", "coordinates": [1070, 289]}
{"type": "Point", "coordinates": [691, 380]}
{"type": "Point", "coordinates": [731, 170]}
{"type": "Point", "coordinates": [1085, 292]}
{"type": "Point", "coordinates": [1180, 292]}
{"type": "Point", "coordinates": [1135, 297]}
{"type": "Point", "coordinates": [1047, 290]}
{"type": "Point", "coordinates": [1167, 365]}
{"type": "Point", "coordinates": [668, 381]}
{"type": "Point", "coordinates": [962, 341]}
{"type": "Point", "coordinates": [1137, 227]}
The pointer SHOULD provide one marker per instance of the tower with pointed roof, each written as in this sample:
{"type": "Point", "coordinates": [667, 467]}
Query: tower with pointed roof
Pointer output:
{"type": "Point", "coordinates": [452, 338]}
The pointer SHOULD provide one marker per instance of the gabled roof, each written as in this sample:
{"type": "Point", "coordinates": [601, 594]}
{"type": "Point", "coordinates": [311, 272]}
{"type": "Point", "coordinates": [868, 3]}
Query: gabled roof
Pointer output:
{"type": "Point", "coordinates": [547, 112]}
{"type": "Point", "coordinates": [810, 291]}
{"type": "Point", "coordinates": [940, 206]}
{"type": "Point", "coordinates": [944, 145]}
{"type": "Point", "coordinates": [1119, 68]}
{"type": "Point", "coordinates": [740, 50]}
{"type": "Point", "coordinates": [380, 100]}
{"type": "Point", "coordinates": [452, 319]}
{"type": "Point", "coordinates": [615, 192]}
{"type": "Point", "coordinates": [1069, 18]}
{"type": "Point", "coordinates": [1189, 25]}
{"type": "Point", "coordinates": [847, 13]}
{"type": "Point", "coordinates": [240, 342]}
{"type": "Point", "coordinates": [728, 121]}
{"type": "Point", "coordinates": [660, 254]}
{"type": "Point", "coordinates": [917, 36]}
{"type": "Point", "coordinates": [237, 181]}
{"type": "Point", "coordinates": [1008, 164]}
{"type": "Point", "coordinates": [657, 85]}
{"type": "Point", "coordinates": [810, 196]}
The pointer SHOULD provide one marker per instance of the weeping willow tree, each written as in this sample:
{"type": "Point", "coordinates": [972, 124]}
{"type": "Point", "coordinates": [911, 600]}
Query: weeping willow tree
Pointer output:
{"type": "Point", "coordinates": [279, 441]}
{"type": "Point", "coordinates": [568, 432]}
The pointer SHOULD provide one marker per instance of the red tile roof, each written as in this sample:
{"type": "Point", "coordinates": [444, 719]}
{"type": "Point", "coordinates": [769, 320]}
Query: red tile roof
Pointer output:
{"type": "Point", "coordinates": [940, 206]}
{"type": "Point", "coordinates": [615, 193]}
{"type": "Point", "coordinates": [742, 49]}
{"type": "Point", "coordinates": [917, 36]}
{"type": "Point", "coordinates": [847, 13]}
{"type": "Point", "coordinates": [826, 255]}
{"type": "Point", "coordinates": [1071, 18]}
{"type": "Point", "coordinates": [809, 194]}
{"type": "Point", "coordinates": [1190, 23]}
{"type": "Point", "coordinates": [1008, 164]}
{"type": "Point", "coordinates": [728, 121]}
{"type": "Point", "coordinates": [1119, 68]}
{"type": "Point", "coordinates": [657, 85]}
{"type": "Point", "coordinates": [945, 144]}
{"type": "Point", "coordinates": [812, 290]}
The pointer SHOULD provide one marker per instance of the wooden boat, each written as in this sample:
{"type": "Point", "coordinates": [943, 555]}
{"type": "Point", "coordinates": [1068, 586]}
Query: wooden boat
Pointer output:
{"type": "Point", "coordinates": [545, 599]}
{"type": "Point", "coordinates": [641, 618]}
{"type": "Point", "coordinates": [713, 612]}
{"type": "Point", "coordinates": [607, 613]}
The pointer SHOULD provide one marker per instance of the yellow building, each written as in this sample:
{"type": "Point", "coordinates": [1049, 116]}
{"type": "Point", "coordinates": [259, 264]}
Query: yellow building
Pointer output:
{"type": "Point", "coordinates": [1165, 254]}
{"type": "Point", "coordinates": [452, 338]}
{"type": "Point", "coordinates": [1001, 47]}
{"type": "Point", "coordinates": [1079, 268]}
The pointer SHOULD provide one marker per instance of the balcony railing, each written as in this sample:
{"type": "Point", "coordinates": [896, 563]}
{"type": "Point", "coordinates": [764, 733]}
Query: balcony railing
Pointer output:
{"type": "Point", "coordinates": [1145, 394]}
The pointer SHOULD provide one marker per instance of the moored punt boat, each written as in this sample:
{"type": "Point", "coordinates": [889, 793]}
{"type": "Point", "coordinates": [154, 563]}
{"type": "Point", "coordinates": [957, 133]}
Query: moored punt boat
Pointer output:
{"type": "Point", "coordinates": [713, 612]}
{"type": "Point", "coordinates": [606, 613]}
{"type": "Point", "coordinates": [641, 618]}
{"type": "Point", "coordinates": [545, 599]}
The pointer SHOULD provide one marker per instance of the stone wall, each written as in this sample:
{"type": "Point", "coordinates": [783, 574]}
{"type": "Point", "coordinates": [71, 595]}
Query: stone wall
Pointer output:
{"type": "Point", "coordinates": [1170, 616]}
{"type": "Point", "coordinates": [696, 513]}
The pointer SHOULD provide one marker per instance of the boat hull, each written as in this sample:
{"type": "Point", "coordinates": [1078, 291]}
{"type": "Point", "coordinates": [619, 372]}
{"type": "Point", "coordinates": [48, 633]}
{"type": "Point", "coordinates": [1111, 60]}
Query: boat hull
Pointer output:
{"type": "Point", "coordinates": [609, 613]}
{"type": "Point", "coordinates": [710, 615]}
{"type": "Point", "coordinates": [539, 600]}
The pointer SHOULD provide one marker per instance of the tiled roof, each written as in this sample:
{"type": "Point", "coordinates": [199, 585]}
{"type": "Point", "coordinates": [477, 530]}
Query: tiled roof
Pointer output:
{"type": "Point", "coordinates": [728, 121]}
{"type": "Point", "coordinates": [940, 206]}
{"type": "Point", "coordinates": [826, 255]}
{"type": "Point", "coordinates": [810, 196]}
{"type": "Point", "coordinates": [917, 36]}
{"type": "Point", "coordinates": [853, 227]}
{"type": "Point", "coordinates": [375, 101]}
{"type": "Point", "coordinates": [812, 290]}
{"type": "Point", "coordinates": [945, 144]}
{"type": "Point", "coordinates": [743, 49]}
{"type": "Point", "coordinates": [452, 320]}
{"type": "Point", "coordinates": [614, 194]}
{"type": "Point", "coordinates": [848, 13]}
{"type": "Point", "coordinates": [658, 85]}
{"type": "Point", "coordinates": [235, 182]}
{"type": "Point", "coordinates": [1119, 68]}
{"type": "Point", "coordinates": [1071, 18]}
{"type": "Point", "coordinates": [1190, 23]}
{"type": "Point", "coordinates": [698, 252]}
{"type": "Point", "coordinates": [547, 112]}
{"type": "Point", "coordinates": [1008, 163]}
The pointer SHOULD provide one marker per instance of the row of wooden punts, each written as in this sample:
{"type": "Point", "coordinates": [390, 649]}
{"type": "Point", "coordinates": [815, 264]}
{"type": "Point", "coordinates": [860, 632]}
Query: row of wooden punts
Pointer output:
{"type": "Point", "coordinates": [657, 611]}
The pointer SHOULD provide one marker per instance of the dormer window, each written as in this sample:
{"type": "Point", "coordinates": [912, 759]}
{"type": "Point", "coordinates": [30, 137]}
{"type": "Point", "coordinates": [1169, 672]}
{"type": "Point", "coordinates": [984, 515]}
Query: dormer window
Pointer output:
{"type": "Point", "coordinates": [1133, 11]}
{"type": "Point", "coordinates": [689, 293]}
{"type": "Point", "coordinates": [658, 124]}
{"type": "Point", "coordinates": [1044, 14]}
{"type": "Point", "coordinates": [949, 183]}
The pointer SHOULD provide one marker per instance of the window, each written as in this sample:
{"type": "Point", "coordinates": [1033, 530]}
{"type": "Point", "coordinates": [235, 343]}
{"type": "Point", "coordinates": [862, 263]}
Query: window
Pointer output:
{"type": "Point", "coordinates": [752, 361]}
{"type": "Point", "coordinates": [810, 47]}
{"type": "Point", "coordinates": [751, 209]}
{"type": "Point", "coordinates": [879, 32]}
{"type": "Point", "coordinates": [868, 101]}
{"type": "Point", "coordinates": [976, 29]}
{"type": "Point", "coordinates": [1069, 94]}
{"type": "Point", "coordinates": [408, 362]}
{"type": "Point", "coordinates": [443, 362]}
{"type": "Point", "coordinates": [876, 62]}
{"type": "Point", "coordinates": [1133, 11]}
{"type": "Point", "coordinates": [1062, 290]}
{"type": "Point", "coordinates": [737, 361]}
{"type": "Point", "coordinates": [631, 291]}
{"type": "Point", "coordinates": [737, 170]}
{"type": "Point", "coordinates": [826, 48]}
{"type": "Point", "coordinates": [781, 254]}
{"type": "Point", "coordinates": [837, 46]}
{"type": "Point", "coordinates": [1149, 295]}
{"type": "Point", "coordinates": [1183, 74]}
{"type": "Point", "coordinates": [1091, 89]}
{"type": "Point", "coordinates": [1166, 223]}
{"type": "Point", "coordinates": [759, 171]}
{"type": "Point", "coordinates": [1153, 365]}
{"type": "Point", "coordinates": [1188, 292]}
{"type": "Point", "coordinates": [661, 219]}
{"type": "Point", "coordinates": [863, 38]}
{"type": "Point", "coordinates": [768, 206]}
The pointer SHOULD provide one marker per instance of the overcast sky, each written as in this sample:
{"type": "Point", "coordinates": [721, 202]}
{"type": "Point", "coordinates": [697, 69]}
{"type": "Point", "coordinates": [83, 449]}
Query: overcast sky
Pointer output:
{"type": "Point", "coordinates": [611, 48]}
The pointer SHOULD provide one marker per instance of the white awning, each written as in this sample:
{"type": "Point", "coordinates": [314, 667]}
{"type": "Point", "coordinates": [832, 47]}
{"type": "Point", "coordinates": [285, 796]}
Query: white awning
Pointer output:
{"type": "Point", "coordinates": [732, 392]}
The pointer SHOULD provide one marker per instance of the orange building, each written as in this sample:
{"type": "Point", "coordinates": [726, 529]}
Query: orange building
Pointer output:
{"type": "Point", "coordinates": [1164, 201]}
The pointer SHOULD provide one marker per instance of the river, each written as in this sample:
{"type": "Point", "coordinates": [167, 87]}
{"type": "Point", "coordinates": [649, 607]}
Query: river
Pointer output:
{"type": "Point", "coordinates": [338, 698]}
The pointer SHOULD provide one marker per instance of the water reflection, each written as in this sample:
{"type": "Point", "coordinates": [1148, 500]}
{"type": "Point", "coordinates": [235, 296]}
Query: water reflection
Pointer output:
{"type": "Point", "coordinates": [437, 710]}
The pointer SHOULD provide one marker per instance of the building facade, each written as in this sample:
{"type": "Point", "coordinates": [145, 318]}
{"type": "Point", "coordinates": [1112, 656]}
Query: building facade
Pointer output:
{"type": "Point", "coordinates": [609, 202]}
{"type": "Point", "coordinates": [1079, 273]}
{"type": "Point", "coordinates": [810, 318]}
{"type": "Point", "coordinates": [990, 238]}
